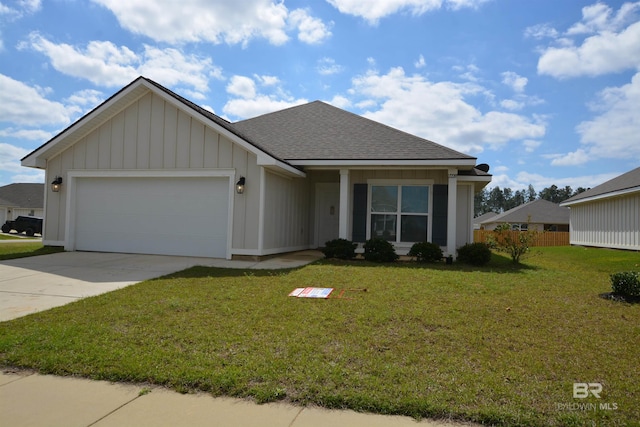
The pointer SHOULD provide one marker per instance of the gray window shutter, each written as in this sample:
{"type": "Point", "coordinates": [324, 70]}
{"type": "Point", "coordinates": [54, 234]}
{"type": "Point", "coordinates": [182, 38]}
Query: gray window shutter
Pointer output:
{"type": "Point", "coordinates": [359, 212]}
{"type": "Point", "coordinates": [439, 221]}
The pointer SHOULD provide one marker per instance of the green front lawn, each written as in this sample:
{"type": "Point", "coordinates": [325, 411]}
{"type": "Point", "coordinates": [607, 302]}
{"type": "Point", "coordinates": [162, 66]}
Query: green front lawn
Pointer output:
{"type": "Point", "coordinates": [25, 249]}
{"type": "Point", "coordinates": [499, 344]}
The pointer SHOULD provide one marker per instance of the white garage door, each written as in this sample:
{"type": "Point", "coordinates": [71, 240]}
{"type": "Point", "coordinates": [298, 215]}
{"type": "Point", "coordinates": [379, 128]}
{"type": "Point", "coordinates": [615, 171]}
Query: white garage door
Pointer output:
{"type": "Point", "coordinates": [167, 216]}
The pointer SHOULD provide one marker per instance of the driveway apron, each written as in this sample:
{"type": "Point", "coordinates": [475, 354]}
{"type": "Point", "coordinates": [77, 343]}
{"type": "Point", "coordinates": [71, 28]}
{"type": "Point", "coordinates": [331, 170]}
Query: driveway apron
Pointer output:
{"type": "Point", "coordinates": [28, 285]}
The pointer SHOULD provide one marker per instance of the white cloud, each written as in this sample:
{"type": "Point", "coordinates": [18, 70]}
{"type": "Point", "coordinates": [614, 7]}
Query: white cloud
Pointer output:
{"type": "Point", "coordinates": [597, 18]}
{"type": "Point", "coordinates": [613, 47]}
{"type": "Point", "coordinates": [10, 156]}
{"type": "Point", "coordinates": [20, 8]}
{"type": "Point", "coordinates": [578, 157]}
{"type": "Point", "coordinates": [530, 145]}
{"type": "Point", "coordinates": [614, 132]}
{"type": "Point", "coordinates": [250, 103]}
{"type": "Point", "coordinates": [373, 10]}
{"type": "Point", "coordinates": [105, 64]}
{"type": "Point", "coordinates": [522, 180]}
{"type": "Point", "coordinates": [541, 31]}
{"type": "Point", "coordinates": [310, 30]}
{"type": "Point", "coordinates": [516, 82]}
{"type": "Point", "coordinates": [245, 108]}
{"type": "Point", "coordinates": [420, 63]}
{"type": "Point", "coordinates": [26, 105]}
{"type": "Point", "coordinates": [439, 111]}
{"type": "Point", "coordinates": [340, 102]}
{"type": "Point", "coordinates": [512, 104]}
{"type": "Point", "coordinates": [328, 66]}
{"type": "Point", "coordinates": [28, 134]}
{"type": "Point", "coordinates": [231, 22]}
{"type": "Point", "coordinates": [242, 86]}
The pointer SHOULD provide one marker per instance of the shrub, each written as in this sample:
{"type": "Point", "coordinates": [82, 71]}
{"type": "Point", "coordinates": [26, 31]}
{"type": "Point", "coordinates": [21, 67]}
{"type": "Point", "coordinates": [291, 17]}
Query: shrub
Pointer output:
{"type": "Point", "coordinates": [426, 252]}
{"type": "Point", "coordinates": [474, 254]}
{"type": "Point", "coordinates": [340, 248]}
{"type": "Point", "coordinates": [515, 243]}
{"type": "Point", "coordinates": [379, 250]}
{"type": "Point", "coordinates": [626, 283]}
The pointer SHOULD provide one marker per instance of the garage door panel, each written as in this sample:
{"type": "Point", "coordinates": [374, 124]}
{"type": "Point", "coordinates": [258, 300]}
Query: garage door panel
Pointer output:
{"type": "Point", "coordinates": [169, 216]}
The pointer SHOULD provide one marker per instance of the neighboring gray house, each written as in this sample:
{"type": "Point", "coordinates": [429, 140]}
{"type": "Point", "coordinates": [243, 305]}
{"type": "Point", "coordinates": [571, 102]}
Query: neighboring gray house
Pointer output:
{"type": "Point", "coordinates": [477, 221]}
{"type": "Point", "coordinates": [21, 200]}
{"type": "Point", "coordinates": [540, 215]}
{"type": "Point", "coordinates": [148, 171]}
{"type": "Point", "coordinates": [608, 215]}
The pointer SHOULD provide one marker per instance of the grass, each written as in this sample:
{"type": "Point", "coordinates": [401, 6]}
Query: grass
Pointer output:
{"type": "Point", "coordinates": [25, 249]}
{"type": "Point", "coordinates": [498, 345]}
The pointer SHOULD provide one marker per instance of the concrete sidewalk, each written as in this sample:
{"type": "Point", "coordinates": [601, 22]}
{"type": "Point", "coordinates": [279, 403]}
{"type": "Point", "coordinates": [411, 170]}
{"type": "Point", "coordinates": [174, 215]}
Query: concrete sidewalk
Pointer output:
{"type": "Point", "coordinates": [43, 400]}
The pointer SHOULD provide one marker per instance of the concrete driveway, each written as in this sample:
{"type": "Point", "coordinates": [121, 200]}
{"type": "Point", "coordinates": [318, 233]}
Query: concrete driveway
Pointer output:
{"type": "Point", "coordinates": [28, 285]}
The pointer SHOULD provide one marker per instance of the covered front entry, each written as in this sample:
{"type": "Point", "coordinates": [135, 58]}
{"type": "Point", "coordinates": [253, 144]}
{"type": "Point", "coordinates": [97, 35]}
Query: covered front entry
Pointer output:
{"type": "Point", "coordinates": [186, 216]}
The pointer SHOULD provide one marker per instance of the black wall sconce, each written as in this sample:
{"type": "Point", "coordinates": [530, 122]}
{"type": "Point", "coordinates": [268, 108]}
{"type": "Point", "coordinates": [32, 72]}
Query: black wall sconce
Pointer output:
{"type": "Point", "coordinates": [240, 185]}
{"type": "Point", "coordinates": [56, 184]}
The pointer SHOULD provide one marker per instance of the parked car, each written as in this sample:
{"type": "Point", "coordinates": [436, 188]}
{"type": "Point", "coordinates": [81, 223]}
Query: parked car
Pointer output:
{"type": "Point", "coordinates": [24, 224]}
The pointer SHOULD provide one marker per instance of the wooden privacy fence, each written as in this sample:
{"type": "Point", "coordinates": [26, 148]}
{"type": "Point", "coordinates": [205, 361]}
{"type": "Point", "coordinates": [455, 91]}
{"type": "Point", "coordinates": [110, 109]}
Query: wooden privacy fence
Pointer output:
{"type": "Point", "coordinates": [548, 238]}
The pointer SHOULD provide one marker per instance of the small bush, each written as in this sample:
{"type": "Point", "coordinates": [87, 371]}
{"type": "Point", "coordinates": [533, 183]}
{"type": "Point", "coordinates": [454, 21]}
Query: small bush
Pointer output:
{"type": "Point", "coordinates": [626, 283]}
{"type": "Point", "coordinates": [340, 248]}
{"type": "Point", "coordinates": [379, 250]}
{"type": "Point", "coordinates": [474, 254]}
{"type": "Point", "coordinates": [426, 252]}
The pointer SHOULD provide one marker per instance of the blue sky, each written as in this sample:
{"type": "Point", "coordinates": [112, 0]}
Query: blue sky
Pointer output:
{"type": "Point", "coordinates": [545, 91]}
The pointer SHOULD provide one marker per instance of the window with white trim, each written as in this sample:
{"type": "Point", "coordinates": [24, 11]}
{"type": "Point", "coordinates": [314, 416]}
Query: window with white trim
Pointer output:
{"type": "Point", "coordinates": [399, 213]}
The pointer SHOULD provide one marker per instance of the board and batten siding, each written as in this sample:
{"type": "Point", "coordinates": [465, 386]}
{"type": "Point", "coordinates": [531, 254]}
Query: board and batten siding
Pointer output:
{"type": "Point", "coordinates": [152, 134]}
{"type": "Point", "coordinates": [608, 223]}
{"type": "Point", "coordinates": [286, 213]}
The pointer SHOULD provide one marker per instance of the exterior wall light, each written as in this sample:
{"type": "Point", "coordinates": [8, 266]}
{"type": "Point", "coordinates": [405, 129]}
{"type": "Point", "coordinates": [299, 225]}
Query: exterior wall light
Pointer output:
{"type": "Point", "coordinates": [240, 185]}
{"type": "Point", "coordinates": [56, 184]}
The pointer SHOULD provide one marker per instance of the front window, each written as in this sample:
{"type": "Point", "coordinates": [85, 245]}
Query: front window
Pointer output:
{"type": "Point", "coordinates": [400, 213]}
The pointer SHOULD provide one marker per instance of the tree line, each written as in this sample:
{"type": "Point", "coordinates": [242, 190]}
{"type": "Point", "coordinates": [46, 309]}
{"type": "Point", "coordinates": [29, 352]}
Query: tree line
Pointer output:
{"type": "Point", "coordinates": [499, 200]}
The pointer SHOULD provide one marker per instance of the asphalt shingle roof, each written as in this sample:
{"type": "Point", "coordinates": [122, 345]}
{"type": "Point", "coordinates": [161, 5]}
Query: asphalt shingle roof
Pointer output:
{"type": "Point", "coordinates": [625, 181]}
{"type": "Point", "coordinates": [22, 195]}
{"type": "Point", "coordinates": [537, 212]}
{"type": "Point", "coordinates": [319, 131]}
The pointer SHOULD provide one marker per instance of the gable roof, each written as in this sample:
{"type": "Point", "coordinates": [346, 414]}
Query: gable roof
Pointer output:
{"type": "Point", "coordinates": [484, 217]}
{"type": "Point", "coordinates": [318, 132]}
{"type": "Point", "coordinates": [537, 212]}
{"type": "Point", "coordinates": [623, 184]}
{"type": "Point", "coordinates": [22, 195]}
{"type": "Point", "coordinates": [311, 134]}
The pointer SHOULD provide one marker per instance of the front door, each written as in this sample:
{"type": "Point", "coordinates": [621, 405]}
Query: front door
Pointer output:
{"type": "Point", "coordinates": [327, 212]}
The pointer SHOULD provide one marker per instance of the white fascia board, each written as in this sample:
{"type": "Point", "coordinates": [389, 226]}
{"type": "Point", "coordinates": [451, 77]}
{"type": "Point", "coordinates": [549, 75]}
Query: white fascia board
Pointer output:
{"type": "Point", "coordinates": [271, 162]}
{"type": "Point", "coordinates": [386, 163]}
{"type": "Point", "coordinates": [602, 196]}
{"type": "Point", "coordinates": [465, 178]}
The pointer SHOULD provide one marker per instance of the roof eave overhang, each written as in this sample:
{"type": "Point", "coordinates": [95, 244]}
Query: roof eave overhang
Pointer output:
{"type": "Point", "coordinates": [610, 195]}
{"type": "Point", "coordinates": [387, 163]}
{"type": "Point", "coordinates": [122, 99]}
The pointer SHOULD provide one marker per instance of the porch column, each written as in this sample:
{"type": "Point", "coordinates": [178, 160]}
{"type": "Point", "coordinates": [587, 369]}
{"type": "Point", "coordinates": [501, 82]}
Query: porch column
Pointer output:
{"type": "Point", "coordinates": [344, 204]}
{"type": "Point", "coordinates": [451, 212]}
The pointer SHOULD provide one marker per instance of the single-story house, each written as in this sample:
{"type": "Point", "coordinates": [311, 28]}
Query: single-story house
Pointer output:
{"type": "Point", "coordinates": [539, 215]}
{"type": "Point", "coordinates": [148, 171]}
{"type": "Point", "coordinates": [608, 215]}
{"type": "Point", "coordinates": [477, 221]}
{"type": "Point", "coordinates": [21, 199]}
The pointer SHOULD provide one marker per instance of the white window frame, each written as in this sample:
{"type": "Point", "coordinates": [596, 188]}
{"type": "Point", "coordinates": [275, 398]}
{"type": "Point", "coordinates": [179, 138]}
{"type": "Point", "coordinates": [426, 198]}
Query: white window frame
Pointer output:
{"type": "Point", "coordinates": [399, 183]}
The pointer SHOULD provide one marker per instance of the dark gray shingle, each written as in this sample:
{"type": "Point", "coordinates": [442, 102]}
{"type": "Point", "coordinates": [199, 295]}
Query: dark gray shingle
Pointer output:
{"type": "Point", "coordinates": [319, 131]}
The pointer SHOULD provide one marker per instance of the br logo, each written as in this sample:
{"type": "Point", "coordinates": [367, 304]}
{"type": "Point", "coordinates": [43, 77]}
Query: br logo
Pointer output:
{"type": "Point", "coordinates": [583, 390]}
